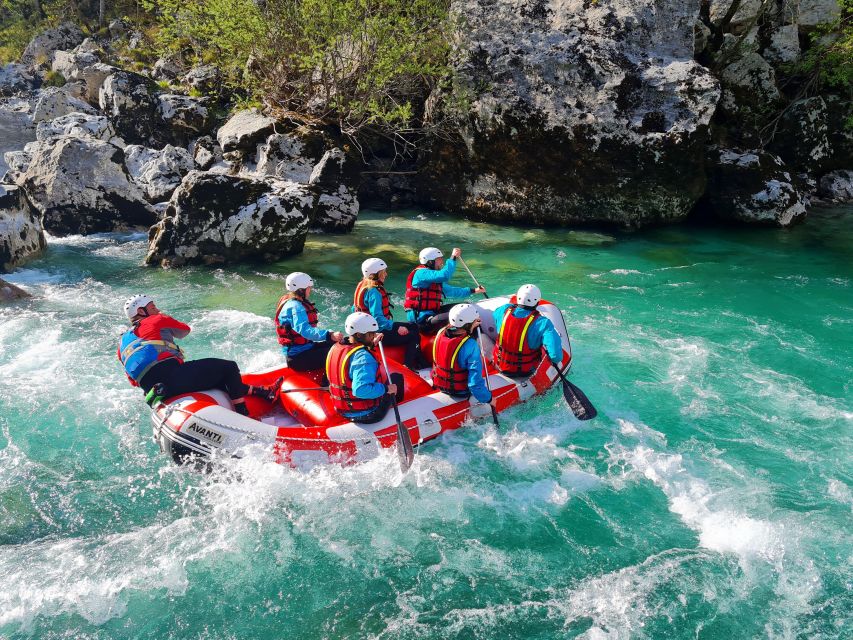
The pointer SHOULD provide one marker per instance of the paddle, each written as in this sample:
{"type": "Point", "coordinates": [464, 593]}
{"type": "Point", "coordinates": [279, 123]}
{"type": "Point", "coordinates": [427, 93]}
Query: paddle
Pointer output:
{"type": "Point", "coordinates": [576, 399]}
{"type": "Point", "coordinates": [404, 440]}
{"type": "Point", "coordinates": [486, 375]}
{"type": "Point", "coordinates": [479, 286]}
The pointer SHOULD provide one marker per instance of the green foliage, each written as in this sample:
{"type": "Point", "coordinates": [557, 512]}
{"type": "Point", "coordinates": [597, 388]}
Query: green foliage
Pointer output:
{"type": "Point", "coordinates": [358, 63]}
{"type": "Point", "coordinates": [54, 79]}
{"type": "Point", "coordinates": [829, 59]}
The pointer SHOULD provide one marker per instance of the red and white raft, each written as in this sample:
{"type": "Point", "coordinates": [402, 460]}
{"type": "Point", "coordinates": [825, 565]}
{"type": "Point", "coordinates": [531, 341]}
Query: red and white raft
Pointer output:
{"type": "Point", "coordinates": [302, 428]}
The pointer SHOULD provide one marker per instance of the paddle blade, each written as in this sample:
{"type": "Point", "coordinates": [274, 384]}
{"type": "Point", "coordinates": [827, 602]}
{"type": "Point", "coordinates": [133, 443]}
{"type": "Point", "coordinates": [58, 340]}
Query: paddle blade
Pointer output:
{"type": "Point", "coordinates": [404, 447]}
{"type": "Point", "coordinates": [495, 418]}
{"type": "Point", "coordinates": [578, 402]}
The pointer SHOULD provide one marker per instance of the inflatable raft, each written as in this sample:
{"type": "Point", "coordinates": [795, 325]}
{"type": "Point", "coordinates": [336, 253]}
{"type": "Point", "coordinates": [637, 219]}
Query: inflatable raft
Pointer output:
{"type": "Point", "coordinates": [301, 428]}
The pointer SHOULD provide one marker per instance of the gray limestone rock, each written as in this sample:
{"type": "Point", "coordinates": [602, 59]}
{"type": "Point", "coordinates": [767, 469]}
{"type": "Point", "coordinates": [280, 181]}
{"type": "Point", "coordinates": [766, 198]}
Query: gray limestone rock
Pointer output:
{"type": "Point", "coordinates": [753, 187]}
{"type": "Point", "coordinates": [336, 178]}
{"type": "Point", "coordinates": [79, 125]}
{"type": "Point", "coordinates": [784, 45]}
{"type": "Point", "coordinates": [807, 14]}
{"type": "Point", "coordinates": [59, 101]}
{"type": "Point", "coordinates": [10, 292]}
{"type": "Point", "coordinates": [39, 52]}
{"type": "Point", "coordinates": [204, 78]}
{"type": "Point", "coordinates": [127, 100]}
{"type": "Point", "coordinates": [94, 77]}
{"type": "Point", "coordinates": [167, 68]}
{"type": "Point", "coordinates": [79, 185]}
{"type": "Point", "coordinates": [837, 186]}
{"type": "Point", "coordinates": [183, 115]}
{"type": "Point", "coordinates": [70, 63]}
{"type": "Point", "coordinates": [289, 156]}
{"type": "Point", "coordinates": [21, 235]}
{"type": "Point", "coordinates": [570, 111]}
{"type": "Point", "coordinates": [244, 130]}
{"type": "Point", "coordinates": [802, 137]}
{"type": "Point", "coordinates": [214, 219]}
{"type": "Point", "coordinates": [16, 126]}
{"type": "Point", "coordinates": [743, 16]}
{"type": "Point", "coordinates": [15, 80]}
{"type": "Point", "coordinates": [157, 172]}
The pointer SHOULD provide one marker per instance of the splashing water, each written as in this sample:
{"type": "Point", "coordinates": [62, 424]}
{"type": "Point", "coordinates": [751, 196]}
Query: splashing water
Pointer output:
{"type": "Point", "coordinates": [711, 498]}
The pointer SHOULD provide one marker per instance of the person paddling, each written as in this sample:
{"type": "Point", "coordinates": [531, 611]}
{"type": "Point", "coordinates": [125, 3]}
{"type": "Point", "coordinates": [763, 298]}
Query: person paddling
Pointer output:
{"type": "Point", "coordinates": [427, 287]}
{"type": "Point", "coordinates": [522, 332]}
{"type": "Point", "coordinates": [152, 359]}
{"type": "Point", "coordinates": [303, 343]}
{"type": "Point", "coordinates": [457, 368]}
{"type": "Point", "coordinates": [371, 297]}
{"type": "Point", "coordinates": [357, 384]}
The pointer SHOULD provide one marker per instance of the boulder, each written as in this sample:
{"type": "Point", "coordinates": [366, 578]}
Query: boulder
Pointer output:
{"type": "Point", "coordinates": [16, 126]}
{"type": "Point", "coordinates": [838, 110]}
{"type": "Point", "coordinates": [744, 15]}
{"type": "Point", "coordinates": [59, 101]}
{"type": "Point", "coordinates": [39, 52]}
{"type": "Point", "coordinates": [749, 83]}
{"type": "Point", "coordinates": [205, 151]}
{"type": "Point", "coordinates": [70, 63]}
{"type": "Point", "coordinates": [808, 14]}
{"type": "Point", "coordinates": [79, 125]}
{"type": "Point", "coordinates": [801, 137]}
{"type": "Point", "coordinates": [289, 156]}
{"type": "Point", "coordinates": [244, 130]}
{"type": "Point", "coordinates": [167, 68]}
{"type": "Point", "coordinates": [215, 219]}
{"type": "Point", "coordinates": [337, 180]}
{"type": "Point", "coordinates": [93, 78]}
{"type": "Point", "coordinates": [557, 116]}
{"type": "Point", "coordinates": [157, 173]}
{"type": "Point", "coordinates": [183, 115]}
{"type": "Point", "coordinates": [21, 235]}
{"type": "Point", "coordinates": [126, 98]}
{"type": "Point", "coordinates": [784, 46]}
{"type": "Point", "coordinates": [10, 292]}
{"type": "Point", "coordinates": [752, 187]}
{"type": "Point", "coordinates": [79, 185]}
{"type": "Point", "coordinates": [204, 78]}
{"type": "Point", "coordinates": [837, 186]}
{"type": "Point", "coordinates": [117, 29]}
{"type": "Point", "coordinates": [17, 163]}
{"type": "Point", "coordinates": [15, 80]}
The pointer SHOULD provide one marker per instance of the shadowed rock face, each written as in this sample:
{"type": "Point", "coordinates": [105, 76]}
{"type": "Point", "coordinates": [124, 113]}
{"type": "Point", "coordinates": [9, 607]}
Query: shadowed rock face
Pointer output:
{"type": "Point", "coordinates": [569, 112]}
{"type": "Point", "coordinates": [21, 235]}
{"type": "Point", "coordinates": [214, 218]}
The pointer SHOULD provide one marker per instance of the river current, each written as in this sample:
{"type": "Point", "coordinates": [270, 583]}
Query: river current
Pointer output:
{"type": "Point", "coordinates": [711, 498]}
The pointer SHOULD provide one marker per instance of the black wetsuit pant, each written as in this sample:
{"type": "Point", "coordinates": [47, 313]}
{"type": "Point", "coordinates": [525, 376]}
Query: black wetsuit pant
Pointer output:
{"type": "Point", "coordinates": [436, 321]}
{"type": "Point", "coordinates": [310, 359]}
{"type": "Point", "coordinates": [196, 375]}
{"type": "Point", "coordinates": [412, 341]}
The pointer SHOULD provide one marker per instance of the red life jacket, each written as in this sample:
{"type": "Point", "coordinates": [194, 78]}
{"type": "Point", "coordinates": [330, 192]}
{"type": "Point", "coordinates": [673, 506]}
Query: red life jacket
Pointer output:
{"type": "Point", "coordinates": [340, 380]}
{"type": "Point", "coordinates": [360, 304]}
{"type": "Point", "coordinates": [447, 375]}
{"type": "Point", "coordinates": [428, 299]}
{"type": "Point", "coordinates": [513, 353]}
{"type": "Point", "coordinates": [287, 337]}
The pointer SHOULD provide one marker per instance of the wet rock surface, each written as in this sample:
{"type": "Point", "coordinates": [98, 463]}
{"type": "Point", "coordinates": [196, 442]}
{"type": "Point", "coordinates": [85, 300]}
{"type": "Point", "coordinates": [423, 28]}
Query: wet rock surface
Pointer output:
{"type": "Point", "coordinates": [21, 234]}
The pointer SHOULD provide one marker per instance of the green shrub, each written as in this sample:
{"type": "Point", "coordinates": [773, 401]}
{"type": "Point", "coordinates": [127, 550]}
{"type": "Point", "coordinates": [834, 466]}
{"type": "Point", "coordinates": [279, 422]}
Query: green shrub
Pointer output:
{"type": "Point", "coordinates": [357, 63]}
{"type": "Point", "coordinates": [54, 79]}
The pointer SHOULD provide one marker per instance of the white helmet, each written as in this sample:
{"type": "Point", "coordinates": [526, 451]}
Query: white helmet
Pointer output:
{"type": "Point", "coordinates": [429, 254]}
{"type": "Point", "coordinates": [463, 314]}
{"type": "Point", "coordinates": [359, 322]}
{"type": "Point", "coordinates": [135, 303]}
{"type": "Point", "coordinates": [528, 295]}
{"type": "Point", "coordinates": [372, 265]}
{"type": "Point", "coordinates": [298, 280]}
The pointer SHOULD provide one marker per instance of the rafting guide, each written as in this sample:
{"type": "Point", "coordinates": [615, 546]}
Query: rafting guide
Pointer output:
{"type": "Point", "coordinates": [330, 400]}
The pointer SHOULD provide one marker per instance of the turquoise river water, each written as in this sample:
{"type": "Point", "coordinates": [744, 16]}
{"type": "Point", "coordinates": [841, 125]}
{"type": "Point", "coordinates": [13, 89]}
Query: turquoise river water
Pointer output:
{"type": "Point", "coordinates": [711, 498]}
